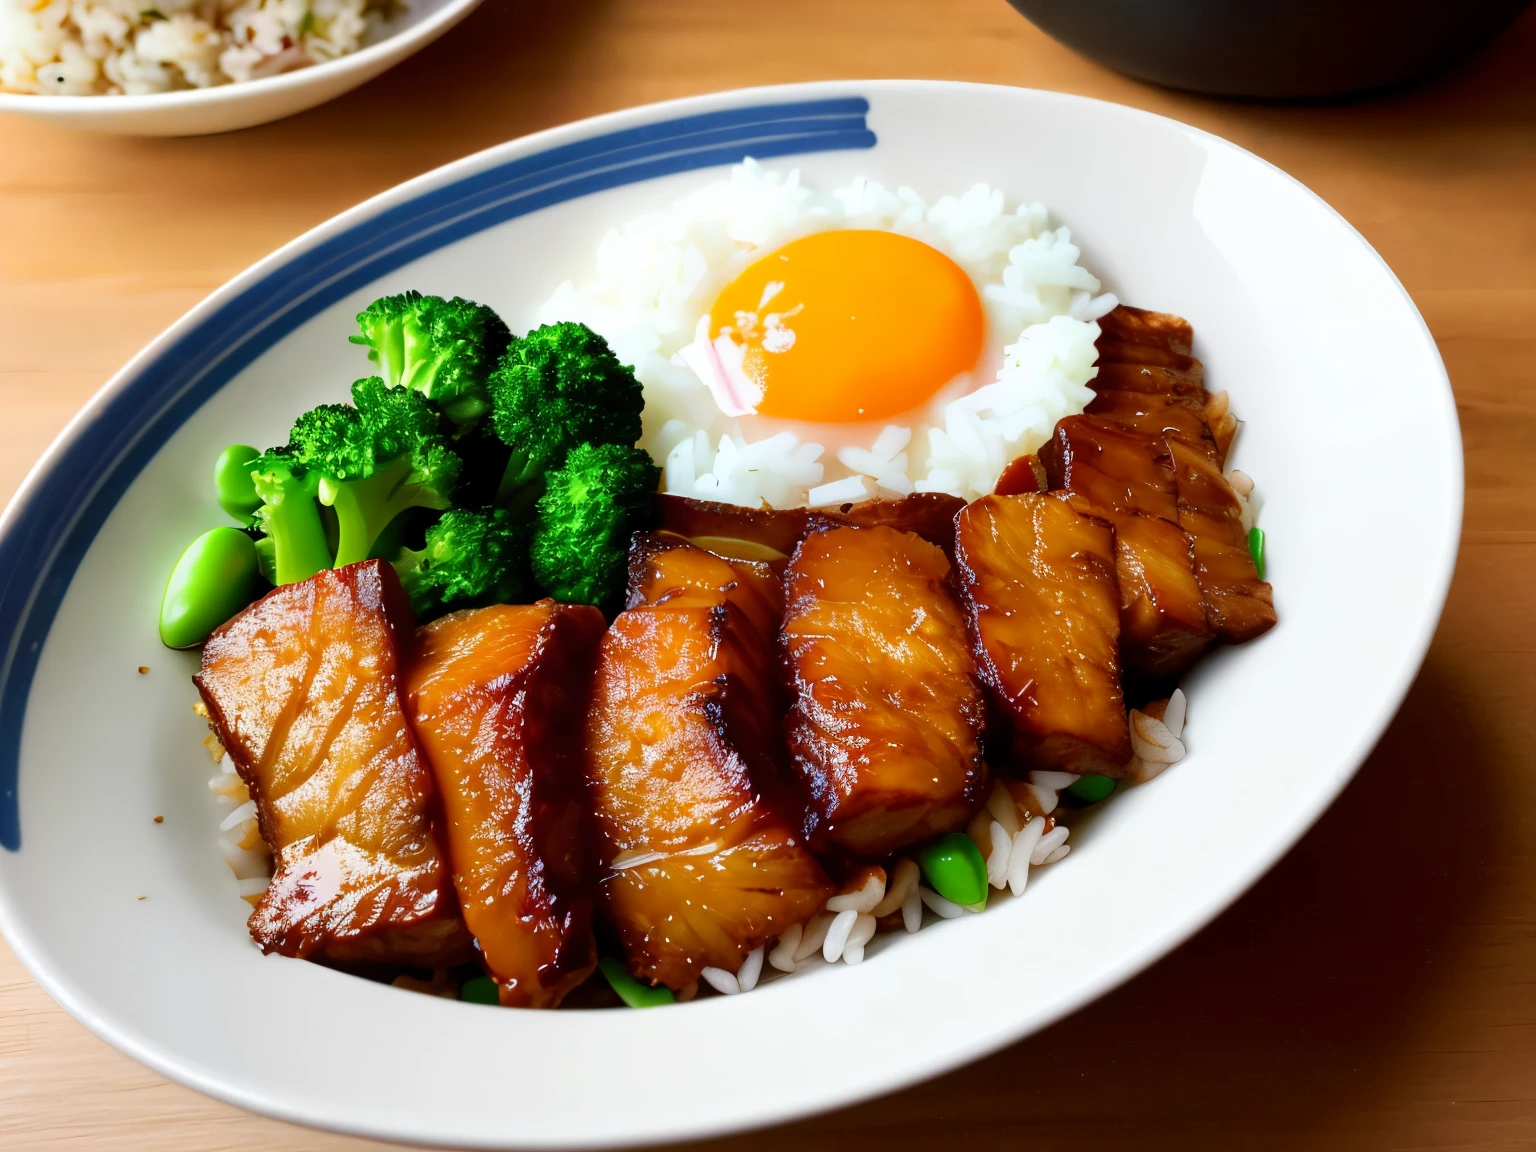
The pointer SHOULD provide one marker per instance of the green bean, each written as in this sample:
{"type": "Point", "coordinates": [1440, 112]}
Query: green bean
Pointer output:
{"type": "Point", "coordinates": [480, 990]}
{"type": "Point", "coordinates": [1091, 789]}
{"type": "Point", "coordinates": [216, 577]}
{"type": "Point", "coordinates": [232, 481]}
{"type": "Point", "coordinates": [955, 870]}
{"type": "Point", "coordinates": [1256, 549]}
{"type": "Point", "coordinates": [632, 991]}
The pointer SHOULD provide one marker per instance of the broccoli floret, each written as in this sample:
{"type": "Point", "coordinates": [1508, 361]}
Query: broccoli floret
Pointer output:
{"type": "Point", "coordinates": [293, 544]}
{"type": "Point", "coordinates": [375, 462]}
{"type": "Point", "coordinates": [444, 349]}
{"type": "Point", "coordinates": [470, 559]}
{"type": "Point", "coordinates": [590, 507]}
{"type": "Point", "coordinates": [557, 387]}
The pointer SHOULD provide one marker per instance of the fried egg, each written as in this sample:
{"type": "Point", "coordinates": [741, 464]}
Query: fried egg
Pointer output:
{"type": "Point", "coordinates": [804, 348]}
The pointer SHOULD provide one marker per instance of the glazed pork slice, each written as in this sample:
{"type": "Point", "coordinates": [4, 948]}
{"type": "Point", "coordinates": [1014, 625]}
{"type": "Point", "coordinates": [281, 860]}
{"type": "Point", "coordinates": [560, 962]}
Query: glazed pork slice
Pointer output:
{"type": "Point", "coordinates": [1139, 336]}
{"type": "Point", "coordinates": [1142, 351]}
{"type": "Point", "coordinates": [684, 753]}
{"type": "Point", "coordinates": [1149, 376]}
{"type": "Point", "coordinates": [1239, 606]}
{"type": "Point", "coordinates": [491, 695]}
{"type": "Point", "coordinates": [1111, 466]}
{"type": "Point", "coordinates": [1126, 477]}
{"type": "Point", "coordinates": [729, 529]}
{"type": "Point", "coordinates": [664, 567]}
{"type": "Point", "coordinates": [930, 515]}
{"type": "Point", "coordinates": [1163, 613]}
{"type": "Point", "coordinates": [1038, 579]}
{"type": "Point", "coordinates": [304, 690]}
{"type": "Point", "coordinates": [770, 534]}
{"type": "Point", "coordinates": [1183, 418]}
{"type": "Point", "coordinates": [886, 713]}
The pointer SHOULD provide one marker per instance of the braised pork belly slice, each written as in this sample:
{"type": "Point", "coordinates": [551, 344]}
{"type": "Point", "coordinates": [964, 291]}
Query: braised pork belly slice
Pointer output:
{"type": "Point", "coordinates": [1148, 355]}
{"type": "Point", "coordinates": [492, 693]}
{"type": "Point", "coordinates": [1179, 417]}
{"type": "Point", "coordinates": [685, 765]}
{"type": "Point", "coordinates": [886, 713]}
{"type": "Point", "coordinates": [1239, 606]}
{"type": "Point", "coordinates": [1126, 477]}
{"type": "Point", "coordinates": [304, 690]}
{"type": "Point", "coordinates": [664, 567]}
{"type": "Point", "coordinates": [1111, 466]}
{"type": "Point", "coordinates": [1163, 625]}
{"type": "Point", "coordinates": [1130, 335]}
{"type": "Point", "coordinates": [768, 534]}
{"type": "Point", "coordinates": [1039, 582]}
{"type": "Point", "coordinates": [930, 515]}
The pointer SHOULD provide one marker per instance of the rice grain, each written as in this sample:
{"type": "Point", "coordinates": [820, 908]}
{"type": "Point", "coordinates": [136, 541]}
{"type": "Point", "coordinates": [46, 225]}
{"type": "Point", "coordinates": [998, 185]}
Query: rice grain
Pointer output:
{"type": "Point", "coordinates": [1023, 848]}
{"type": "Point", "coordinates": [862, 899]}
{"type": "Point", "coordinates": [903, 878]}
{"type": "Point", "coordinates": [1003, 808]}
{"type": "Point", "coordinates": [862, 933]}
{"type": "Point", "coordinates": [782, 956]}
{"type": "Point", "coordinates": [1047, 844]}
{"type": "Point", "coordinates": [1055, 781]}
{"type": "Point", "coordinates": [751, 969]}
{"type": "Point", "coordinates": [938, 905]}
{"type": "Point", "coordinates": [814, 936]}
{"type": "Point", "coordinates": [837, 935]}
{"type": "Point", "coordinates": [721, 981]}
{"type": "Point", "coordinates": [1175, 712]}
{"type": "Point", "coordinates": [997, 859]}
{"type": "Point", "coordinates": [912, 909]}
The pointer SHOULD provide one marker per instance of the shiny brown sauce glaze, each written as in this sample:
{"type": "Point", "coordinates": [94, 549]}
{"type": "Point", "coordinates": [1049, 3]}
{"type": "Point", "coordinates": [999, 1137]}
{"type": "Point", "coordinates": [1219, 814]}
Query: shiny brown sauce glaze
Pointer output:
{"type": "Point", "coordinates": [886, 710]}
{"type": "Point", "coordinates": [304, 690]}
{"type": "Point", "coordinates": [492, 694]}
{"type": "Point", "coordinates": [685, 766]}
{"type": "Point", "coordinates": [1038, 579]}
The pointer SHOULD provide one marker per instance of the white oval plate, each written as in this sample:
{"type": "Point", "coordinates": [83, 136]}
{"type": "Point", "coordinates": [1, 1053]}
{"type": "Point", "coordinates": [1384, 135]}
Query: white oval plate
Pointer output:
{"type": "Point", "coordinates": [198, 111]}
{"type": "Point", "coordinates": [1351, 433]}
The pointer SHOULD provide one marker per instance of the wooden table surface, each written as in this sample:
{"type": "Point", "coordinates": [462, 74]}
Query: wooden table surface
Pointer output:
{"type": "Point", "coordinates": [1377, 990]}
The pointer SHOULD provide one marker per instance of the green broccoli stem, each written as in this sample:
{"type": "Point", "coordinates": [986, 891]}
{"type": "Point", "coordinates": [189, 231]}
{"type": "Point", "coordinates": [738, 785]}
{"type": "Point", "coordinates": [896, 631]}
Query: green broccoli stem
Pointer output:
{"type": "Point", "coordinates": [389, 340]}
{"type": "Point", "coordinates": [365, 508]}
{"type": "Point", "coordinates": [465, 410]}
{"type": "Point", "coordinates": [521, 484]}
{"type": "Point", "coordinates": [297, 534]}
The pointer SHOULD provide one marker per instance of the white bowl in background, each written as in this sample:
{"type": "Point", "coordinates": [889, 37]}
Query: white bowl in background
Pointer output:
{"type": "Point", "coordinates": [135, 926]}
{"type": "Point", "coordinates": [199, 111]}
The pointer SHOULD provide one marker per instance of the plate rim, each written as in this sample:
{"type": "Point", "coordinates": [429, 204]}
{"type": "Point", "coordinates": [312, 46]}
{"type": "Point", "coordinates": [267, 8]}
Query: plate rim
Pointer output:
{"type": "Point", "coordinates": [1158, 945]}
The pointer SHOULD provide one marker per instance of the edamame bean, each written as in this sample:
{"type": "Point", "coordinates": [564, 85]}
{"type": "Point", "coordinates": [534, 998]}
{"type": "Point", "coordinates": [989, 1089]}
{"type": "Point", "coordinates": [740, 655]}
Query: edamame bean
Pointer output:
{"type": "Point", "coordinates": [216, 577]}
{"type": "Point", "coordinates": [1091, 789]}
{"type": "Point", "coordinates": [480, 990]}
{"type": "Point", "coordinates": [232, 481]}
{"type": "Point", "coordinates": [955, 870]}
{"type": "Point", "coordinates": [1256, 549]}
{"type": "Point", "coordinates": [633, 992]}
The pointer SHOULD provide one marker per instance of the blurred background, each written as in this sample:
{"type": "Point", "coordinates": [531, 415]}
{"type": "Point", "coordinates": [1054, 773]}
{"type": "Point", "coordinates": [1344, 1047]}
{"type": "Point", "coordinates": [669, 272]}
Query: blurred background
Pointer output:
{"type": "Point", "coordinates": [1377, 990]}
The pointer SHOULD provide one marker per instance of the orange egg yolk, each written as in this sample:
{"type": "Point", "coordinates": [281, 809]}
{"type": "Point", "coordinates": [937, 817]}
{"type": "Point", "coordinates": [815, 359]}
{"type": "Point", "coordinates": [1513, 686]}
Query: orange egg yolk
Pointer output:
{"type": "Point", "coordinates": [847, 326]}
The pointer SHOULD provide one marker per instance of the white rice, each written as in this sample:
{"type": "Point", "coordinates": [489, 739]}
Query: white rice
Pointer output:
{"type": "Point", "coordinates": [239, 838]}
{"type": "Point", "coordinates": [1157, 743]}
{"type": "Point", "coordinates": [656, 276]}
{"type": "Point", "coordinates": [134, 47]}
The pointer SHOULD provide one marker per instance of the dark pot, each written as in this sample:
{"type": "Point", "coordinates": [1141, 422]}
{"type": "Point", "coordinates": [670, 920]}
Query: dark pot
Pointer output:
{"type": "Point", "coordinates": [1274, 48]}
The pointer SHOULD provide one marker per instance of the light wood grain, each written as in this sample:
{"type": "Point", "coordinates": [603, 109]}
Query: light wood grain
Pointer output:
{"type": "Point", "coordinates": [1377, 990]}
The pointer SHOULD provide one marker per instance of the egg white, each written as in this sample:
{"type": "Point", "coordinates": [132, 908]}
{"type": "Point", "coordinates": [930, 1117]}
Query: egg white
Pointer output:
{"type": "Point", "coordinates": [655, 278]}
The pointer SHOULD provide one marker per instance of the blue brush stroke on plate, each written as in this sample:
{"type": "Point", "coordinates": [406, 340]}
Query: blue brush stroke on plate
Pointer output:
{"type": "Point", "coordinates": [54, 528]}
